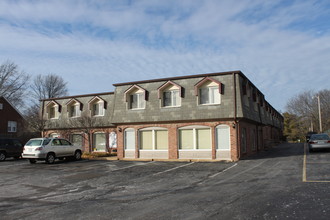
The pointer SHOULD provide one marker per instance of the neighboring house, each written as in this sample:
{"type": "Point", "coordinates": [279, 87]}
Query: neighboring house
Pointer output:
{"type": "Point", "coordinates": [216, 116]}
{"type": "Point", "coordinates": [11, 120]}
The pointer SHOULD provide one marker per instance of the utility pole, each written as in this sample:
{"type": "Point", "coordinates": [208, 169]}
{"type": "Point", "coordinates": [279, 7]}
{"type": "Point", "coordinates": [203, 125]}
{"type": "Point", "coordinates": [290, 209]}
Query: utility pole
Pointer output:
{"type": "Point", "coordinates": [320, 119]}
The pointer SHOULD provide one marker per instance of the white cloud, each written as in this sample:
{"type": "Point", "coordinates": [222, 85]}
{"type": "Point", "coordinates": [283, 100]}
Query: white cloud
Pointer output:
{"type": "Point", "coordinates": [95, 44]}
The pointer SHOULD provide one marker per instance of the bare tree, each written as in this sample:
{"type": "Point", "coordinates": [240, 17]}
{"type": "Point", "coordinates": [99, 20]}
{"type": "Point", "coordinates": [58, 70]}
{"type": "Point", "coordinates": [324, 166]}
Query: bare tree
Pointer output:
{"type": "Point", "coordinates": [86, 123]}
{"type": "Point", "coordinates": [305, 107]}
{"type": "Point", "coordinates": [44, 87]}
{"type": "Point", "coordinates": [48, 86]}
{"type": "Point", "coordinates": [13, 83]}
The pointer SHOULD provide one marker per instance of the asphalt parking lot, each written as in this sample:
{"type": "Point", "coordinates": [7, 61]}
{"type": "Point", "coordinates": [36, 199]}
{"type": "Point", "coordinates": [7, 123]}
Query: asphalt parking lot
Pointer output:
{"type": "Point", "coordinates": [285, 182]}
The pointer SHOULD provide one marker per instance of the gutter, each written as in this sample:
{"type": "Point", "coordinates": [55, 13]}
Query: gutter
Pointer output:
{"type": "Point", "coordinates": [238, 144]}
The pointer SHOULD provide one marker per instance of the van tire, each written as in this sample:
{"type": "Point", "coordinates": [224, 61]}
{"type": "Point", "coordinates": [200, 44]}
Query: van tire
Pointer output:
{"type": "Point", "coordinates": [50, 158]}
{"type": "Point", "coordinates": [3, 156]}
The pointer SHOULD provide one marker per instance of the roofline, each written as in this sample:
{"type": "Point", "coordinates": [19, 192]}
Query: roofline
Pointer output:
{"type": "Point", "coordinates": [78, 96]}
{"type": "Point", "coordinates": [180, 77]}
{"type": "Point", "coordinates": [18, 111]}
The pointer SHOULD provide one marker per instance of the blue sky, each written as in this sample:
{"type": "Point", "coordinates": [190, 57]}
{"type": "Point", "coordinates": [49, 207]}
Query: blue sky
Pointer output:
{"type": "Point", "coordinates": [283, 47]}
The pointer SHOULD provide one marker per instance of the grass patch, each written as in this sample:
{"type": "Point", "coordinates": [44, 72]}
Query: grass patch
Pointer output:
{"type": "Point", "coordinates": [87, 155]}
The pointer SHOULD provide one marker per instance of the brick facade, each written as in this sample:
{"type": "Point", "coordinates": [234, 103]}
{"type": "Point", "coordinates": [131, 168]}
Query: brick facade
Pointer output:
{"type": "Point", "coordinates": [8, 113]}
{"type": "Point", "coordinates": [251, 122]}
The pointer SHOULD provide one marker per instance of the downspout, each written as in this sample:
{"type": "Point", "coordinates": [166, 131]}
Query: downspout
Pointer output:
{"type": "Point", "coordinates": [42, 118]}
{"type": "Point", "coordinates": [238, 144]}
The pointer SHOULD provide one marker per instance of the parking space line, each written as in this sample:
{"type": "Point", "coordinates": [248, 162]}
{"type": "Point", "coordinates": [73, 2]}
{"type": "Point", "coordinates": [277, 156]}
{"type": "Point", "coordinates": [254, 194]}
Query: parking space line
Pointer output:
{"type": "Point", "coordinates": [174, 168]}
{"type": "Point", "coordinates": [123, 168]}
{"type": "Point", "coordinates": [304, 176]}
{"type": "Point", "coordinates": [216, 174]}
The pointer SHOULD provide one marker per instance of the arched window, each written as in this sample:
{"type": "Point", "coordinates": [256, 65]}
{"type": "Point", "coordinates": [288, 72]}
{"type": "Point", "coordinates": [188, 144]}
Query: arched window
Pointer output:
{"type": "Point", "coordinates": [99, 141]}
{"type": "Point", "coordinates": [54, 135]}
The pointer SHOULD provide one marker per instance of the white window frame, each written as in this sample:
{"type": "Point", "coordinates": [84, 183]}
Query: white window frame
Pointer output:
{"type": "Point", "coordinates": [56, 113]}
{"type": "Point", "coordinates": [94, 140]}
{"type": "Point", "coordinates": [12, 126]}
{"type": "Point", "coordinates": [100, 105]}
{"type": "Point", "coordinates": [141, 102]}
{"type": "Point", "coordinates": [217, 128]}
{"type": "Point", "coordinates": [175, 95]}
{"type": "Point", "coordinates": [153, 135]}
{"type": "Point", "coordinates": [211, 97]}
{"type": "Point", "coordinates": [77, 134]}
{"type": "Point", "coordinates": [125, 139]}
{"type": "Point", "coordinates": [195, 141]}
{"type": "Point", "coordinates": [77, 111]}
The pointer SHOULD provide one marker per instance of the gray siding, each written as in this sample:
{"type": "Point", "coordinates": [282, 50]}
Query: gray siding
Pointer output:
{"type": "Point", "coordinates": [64, 121]}
{"type": "Point", "coordinates": [189, 109]}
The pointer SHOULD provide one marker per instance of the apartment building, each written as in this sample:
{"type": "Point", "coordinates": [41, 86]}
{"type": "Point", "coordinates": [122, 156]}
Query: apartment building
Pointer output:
{"type": "Point", "coordinates": [216, 116]}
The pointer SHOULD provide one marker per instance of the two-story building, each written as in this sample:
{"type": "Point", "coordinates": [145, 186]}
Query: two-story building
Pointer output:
{"type": "Point", "coordinates": [11, 120]}
{"type": "Point", "coordinates": [216, 116]}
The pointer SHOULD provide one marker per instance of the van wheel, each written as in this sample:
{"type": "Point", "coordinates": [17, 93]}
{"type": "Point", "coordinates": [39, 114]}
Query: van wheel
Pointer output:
{"type": "Point", "coordinates": [32, 161]}
{"type": "Point", "coordinates": [77, 155]}
{"type": "Point", "coordinates": [50, 158]}
{"type": "Point", "coordinates": [2, 156]}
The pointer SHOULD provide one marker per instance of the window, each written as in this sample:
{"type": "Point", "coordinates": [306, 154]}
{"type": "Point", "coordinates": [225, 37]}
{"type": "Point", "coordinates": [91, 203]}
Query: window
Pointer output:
{"type": "Point", "coordinates": [223, 137]}
{"type": "Point", "coordinates": [253, 140]}
{"type": "Point", "coordinates": [74, 111]}
{"type": "Point", "coordinates": [136, 97]}
{"type": "Point", "coordinates": [54, 135]}
{"type": "Point", "coordinates": [99, 142]}
{"type": "Point", "coordinates": [243, 141]}
{"type": "Point", "coordinates": [53, 110]}
{"type": "Point", "coordinates": [65, 142]}
{"type": "Point", "coordinates": [195, 138]}
{"type": "Point", "coordinates": [137, 101]}
{"type": "Point", "coordinates": [129, 140]}
{"type": "Point", "coordinates": [12, 126]}
{"type": "Point", "coordinates": [76, 139]}
{"type": "Point", "coordinates": [170, 94]}
{"type": "Point", "coordinates": [171, 98]}
{"type": "Point", "coordinates": [1, 106]}
{"type": "Point", "coordinates": [208, 91]}
{"type": "Point", "coordinates": [153, 139]}
{"type": "Point", "coordinates": [98, 109]}
{"type": "Point", "coordinates": [209, 95]}
{"type": "Point", "coordinates": [97, 106]}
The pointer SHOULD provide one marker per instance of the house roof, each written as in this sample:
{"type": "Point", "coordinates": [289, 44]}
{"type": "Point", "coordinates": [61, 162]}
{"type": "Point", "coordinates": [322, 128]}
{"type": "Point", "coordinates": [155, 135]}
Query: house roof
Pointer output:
{"type": "Point", "coordinates": [4, 98]}
{"type": "Point", "coordinates": [78, 96]}
{"type": "Point", "coordinates": [181, 77]}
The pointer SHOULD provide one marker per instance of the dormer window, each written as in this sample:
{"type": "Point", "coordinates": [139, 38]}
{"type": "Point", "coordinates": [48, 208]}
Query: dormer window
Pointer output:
{"type": "Point", "coordinates": [136, 97]}
{"type": "Point", "coordinates": [74, 108]}
{"type": "Point", "coordinates": [170, 94]}
{"type": "Point", "coordinates": [53, 110]}
{"type": "Point", "coordinates": [208, 91]}
{"type": "Point", "coordinates": [97, 106]}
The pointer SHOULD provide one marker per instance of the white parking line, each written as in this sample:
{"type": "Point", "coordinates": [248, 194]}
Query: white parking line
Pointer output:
{"type": "Point", "coordinates": [174, 168]}
{"type": "Point", "coordinates": [123, 168]}
{"type": "Point", "coordinates": [242, 172]}
{"type": "Point", "coordinates": [214, 175]}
